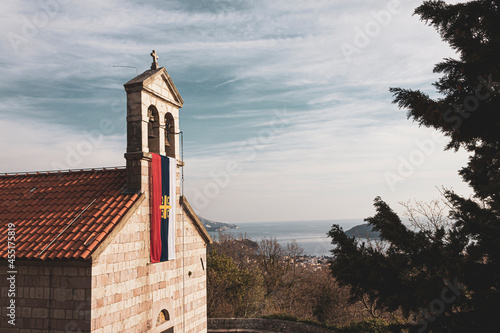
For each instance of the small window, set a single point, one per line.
(163, 316)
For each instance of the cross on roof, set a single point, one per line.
(154, 64)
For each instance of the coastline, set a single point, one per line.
(311, 235)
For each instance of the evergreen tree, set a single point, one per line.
(448, 279)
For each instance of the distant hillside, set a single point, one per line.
(363, 231)
(213, 226)
(237, 243)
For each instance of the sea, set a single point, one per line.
(311, 235)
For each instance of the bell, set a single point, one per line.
(151, 134)
(167, 139)
(168, 126)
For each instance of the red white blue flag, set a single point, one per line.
(162, 189)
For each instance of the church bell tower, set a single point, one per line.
(153, 104)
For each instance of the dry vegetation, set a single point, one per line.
(249, 279)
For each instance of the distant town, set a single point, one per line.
(313, 262)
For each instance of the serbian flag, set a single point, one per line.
(162, 189)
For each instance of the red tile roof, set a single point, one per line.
(61, 215)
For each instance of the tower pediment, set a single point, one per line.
(158, 83)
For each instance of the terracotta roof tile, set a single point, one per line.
(62, 214)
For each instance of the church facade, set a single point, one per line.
(82, 239)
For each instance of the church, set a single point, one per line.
(108, 250)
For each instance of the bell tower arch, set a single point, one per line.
(171, 132)
(153, 104)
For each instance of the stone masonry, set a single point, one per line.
(128, 292)
(50, 296)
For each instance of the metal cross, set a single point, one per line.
(154, 65)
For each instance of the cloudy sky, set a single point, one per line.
(287, 113)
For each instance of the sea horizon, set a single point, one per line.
(310, 234)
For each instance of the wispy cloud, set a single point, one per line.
(235, 63)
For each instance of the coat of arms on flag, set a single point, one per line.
(162, 198)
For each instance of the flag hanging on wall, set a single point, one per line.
(162, 189)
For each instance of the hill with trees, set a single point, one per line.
(363, 231)
(213, 226)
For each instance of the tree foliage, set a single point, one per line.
(445, 276)
(235, 288)
(249, 279)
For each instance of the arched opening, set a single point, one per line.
(153, 130)
(163, 316)
(169, 135)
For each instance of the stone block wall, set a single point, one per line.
(120, 298)
(129, 292)
(51, 296)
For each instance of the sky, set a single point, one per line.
(287, 112)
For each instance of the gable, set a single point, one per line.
(161, 85)
(158, 83)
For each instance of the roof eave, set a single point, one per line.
(103, 243)
(196, 221)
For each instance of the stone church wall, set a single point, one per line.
(51, 296)
(129, 292)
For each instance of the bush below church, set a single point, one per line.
(248, 279)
